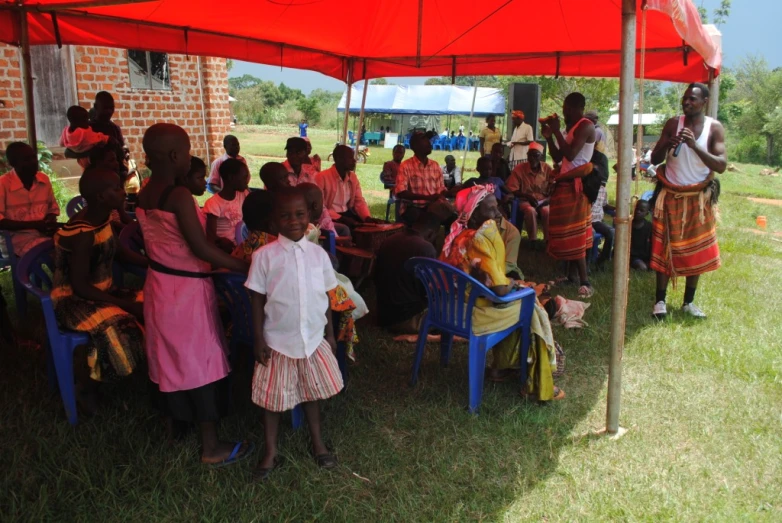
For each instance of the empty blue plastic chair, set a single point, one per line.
(76, 204)
(461, 142)
(241, 233)
(20, 293)
(406, 141)
(34, 271)
(453, 143)
(351, 138)
(446, 288)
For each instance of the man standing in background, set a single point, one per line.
(520, 139)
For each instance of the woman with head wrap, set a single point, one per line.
(475, 246)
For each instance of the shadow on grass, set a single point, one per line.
(406, 453)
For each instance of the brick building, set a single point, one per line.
(147, 88)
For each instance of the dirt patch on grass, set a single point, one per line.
(766, 201)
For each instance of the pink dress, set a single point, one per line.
(186, 348)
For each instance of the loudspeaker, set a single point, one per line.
(524, 97)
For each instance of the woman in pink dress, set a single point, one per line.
(186, 349)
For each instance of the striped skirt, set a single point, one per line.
(569, 223)
(684, 239)
(285, 382)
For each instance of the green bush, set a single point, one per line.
(749, 149)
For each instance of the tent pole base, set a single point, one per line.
(621, 431)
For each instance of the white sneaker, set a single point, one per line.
(660, 310)
(693, 310)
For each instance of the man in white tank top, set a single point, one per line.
(684, 239)
(570, 213)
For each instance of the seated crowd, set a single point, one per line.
(301, 305)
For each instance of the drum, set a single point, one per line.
(371, 236)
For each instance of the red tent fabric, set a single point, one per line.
(387, 37)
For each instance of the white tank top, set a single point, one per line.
(584, 156)
(688, 168)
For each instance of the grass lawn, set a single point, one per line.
(701, 399)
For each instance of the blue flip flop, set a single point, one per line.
(234, 457)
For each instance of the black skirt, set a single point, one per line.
(210, 402)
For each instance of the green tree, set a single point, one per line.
(245, 81)
(379, 81)
(310, 109)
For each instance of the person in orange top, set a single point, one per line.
(342, 191)
(531, 182)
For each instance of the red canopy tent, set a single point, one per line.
(353, 40)
(383, 38)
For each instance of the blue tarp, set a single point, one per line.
(424, 99)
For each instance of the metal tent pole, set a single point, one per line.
(469, 126)
(27, 80)
(361, 116)
(347, 103)
(622, 220)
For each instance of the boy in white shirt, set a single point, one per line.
(224, 209)
(294, 337)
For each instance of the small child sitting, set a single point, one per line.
(485, 172)
(224, 209)
(274, 176)
(641, 237)
(295, 360)
(195, 180)
(78, 136)
(256, 213)
(319, 216)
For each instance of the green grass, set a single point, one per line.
(701, 399)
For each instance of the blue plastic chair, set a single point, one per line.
(406, 141)
(241, 233)
(351, 138)
(647, 195)
(230, 288)
(461, 142)
(20, 294)
(514, 213)
(454, 143)
(446, 287)
(391, 200)
(76, 204)
(329, 239)
(34, 271)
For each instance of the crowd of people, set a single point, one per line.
(301, 305)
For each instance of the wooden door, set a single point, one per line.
(54, 90)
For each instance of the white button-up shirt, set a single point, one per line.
(295, 277)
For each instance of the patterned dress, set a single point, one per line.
(117, 338)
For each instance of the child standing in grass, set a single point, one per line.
(294, 338)
(224, 209)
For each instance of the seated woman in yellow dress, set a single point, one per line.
(475, 246)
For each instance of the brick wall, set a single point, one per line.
(11, 97)
(106, 69)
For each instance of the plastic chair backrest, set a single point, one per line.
(454, 143)
(132, 238)
(76, 204)
(331, 241)
(446, 287)
(230, 286)
(241, 233)
(35, 271)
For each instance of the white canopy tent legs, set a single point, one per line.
(622, 220)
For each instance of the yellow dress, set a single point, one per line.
(481, 254)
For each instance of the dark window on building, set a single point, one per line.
(149, 70)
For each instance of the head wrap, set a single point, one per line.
(535, 146)
(467, 200)
(517, 114)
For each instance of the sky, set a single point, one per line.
(750, 29)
